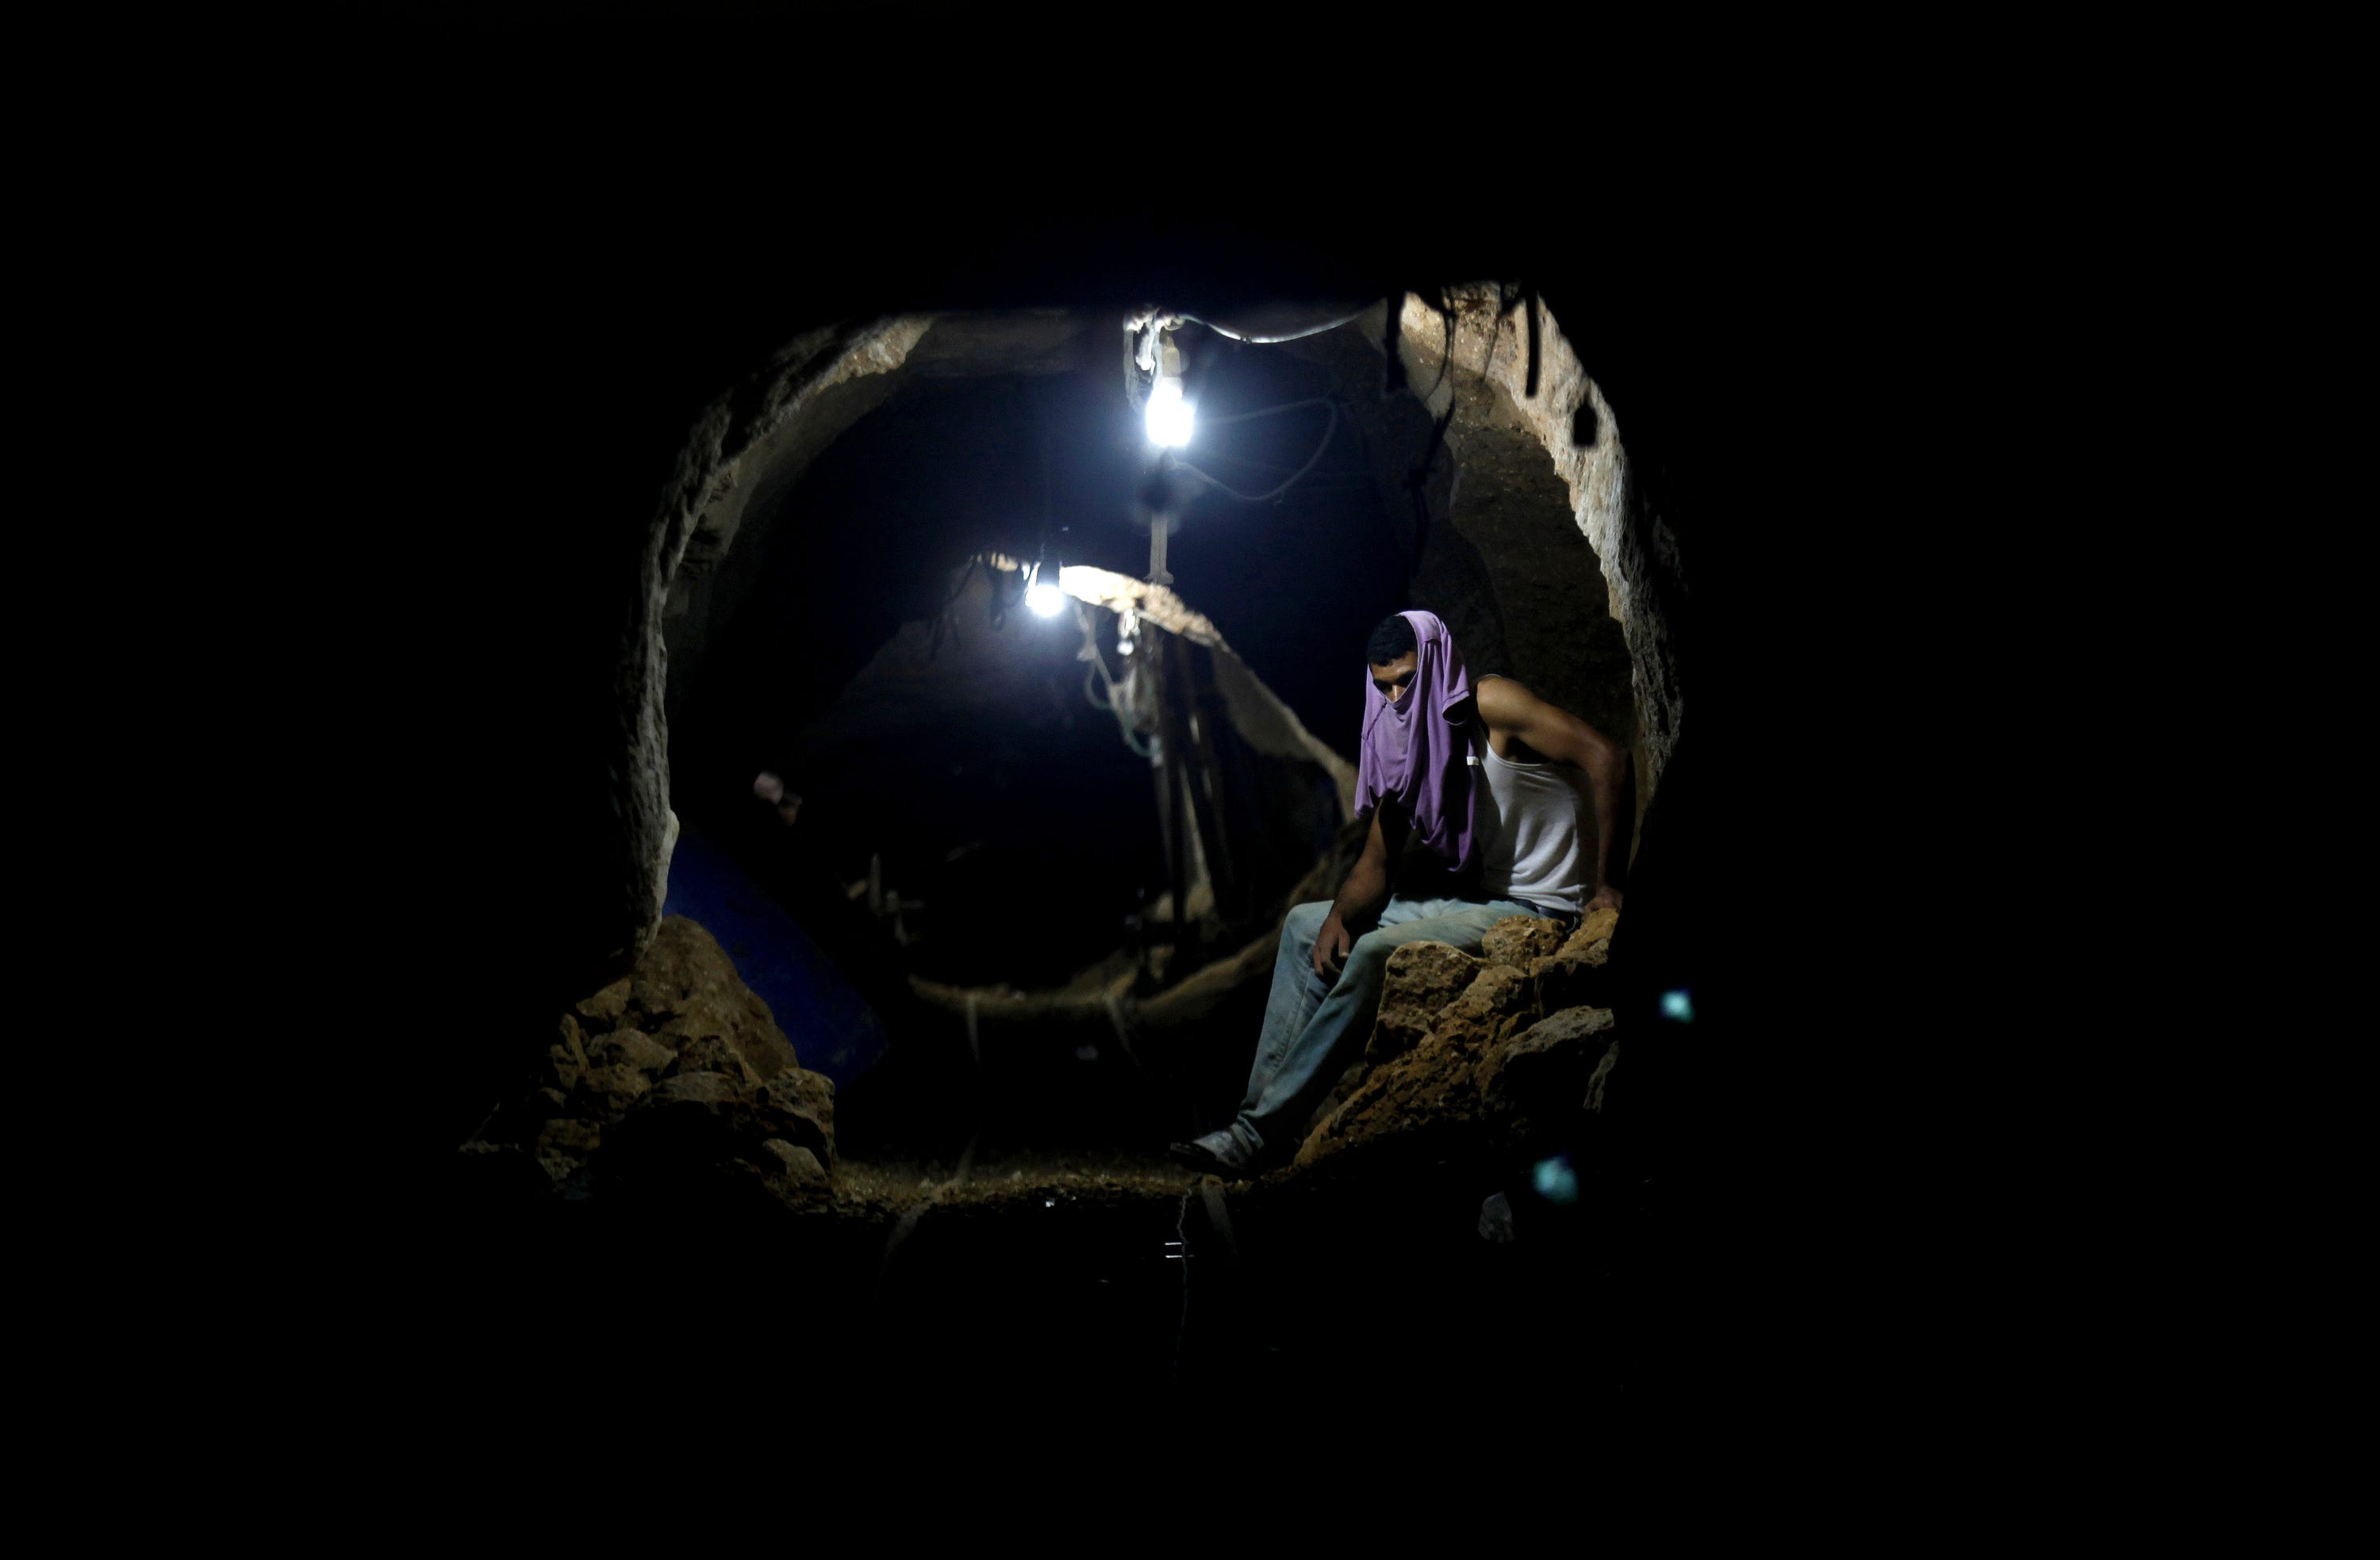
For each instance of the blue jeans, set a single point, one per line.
(1313, 1026)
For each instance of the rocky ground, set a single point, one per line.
(1024, 1182)
(674, 1168)
(678, 1080)
(1494, 1051)
(675, 1078)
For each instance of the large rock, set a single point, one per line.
(799, 1105)
(1420, 980)
(1427, 1090)
(1542, 1072)
(568, 1137)
(706, 1110)
(1493, 1005)
(1596, 927)
(1441, 1011)
(694, 1120)
(711, 1053)
(800, 1166)
(666, 1076)
(608, 1090)
(1578, 972)
(1521, 940)
(604, 1010)
(565, 1059)
(1424, 1092)
(685, 1125)
(685, 988)
(633, 1049)
(1472, 1081)
(788, 1173)
(1350, 1079)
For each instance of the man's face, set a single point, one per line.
(1396, 676)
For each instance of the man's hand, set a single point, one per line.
(1366, 891)
(1606, 898)
(1332, 947)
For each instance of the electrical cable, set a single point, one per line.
(1259, 498)
(1142, 328)
(1263, 465)
(1274, 340)
(1097, 675)
(1205, 421)
(942, 618)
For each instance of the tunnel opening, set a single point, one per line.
(1060, 957)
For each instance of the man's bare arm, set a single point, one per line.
(1562, 737)
(1364, 893)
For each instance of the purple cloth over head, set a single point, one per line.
(1416, 751)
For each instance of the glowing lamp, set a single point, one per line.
(1168, 415)
(1044, 596)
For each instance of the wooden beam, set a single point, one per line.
(1181, 693)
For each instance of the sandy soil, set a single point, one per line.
(866, 1188)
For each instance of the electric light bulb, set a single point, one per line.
(1168, 415)
(1044, 597)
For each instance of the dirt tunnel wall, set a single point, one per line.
(1504, 469)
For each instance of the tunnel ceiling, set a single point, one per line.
(951, 732)
(1486, 547)
(1489, 500)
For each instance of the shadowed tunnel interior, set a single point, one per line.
(957, 797)
(995, 732)
(1001, 753)
(956, 744)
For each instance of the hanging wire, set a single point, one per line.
(944, 619)
(1238, 333)
(1417, 481)
(1205, 421)
(1097, 677)
(1313, 484)
(1329, 432)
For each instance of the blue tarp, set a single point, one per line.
(833, 1028)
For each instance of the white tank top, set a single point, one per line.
(1533, 830)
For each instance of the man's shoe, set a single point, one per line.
(1217, 1154)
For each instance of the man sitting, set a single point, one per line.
(1491, 780)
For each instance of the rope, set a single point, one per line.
(1119, 1022)
(1099, 675)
